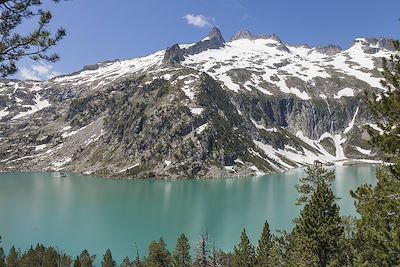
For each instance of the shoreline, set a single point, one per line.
(341, 163)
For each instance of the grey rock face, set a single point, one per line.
(242, 35)
(176, 117)
(214, 40)
(173, 55)
(373, 44)
(329, 49)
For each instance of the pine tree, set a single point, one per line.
(244, 254)
(77, 263)
(108, 260)
(202, 251)
(64, 260)
(264, 247)
(85, 259)
(182, 252)
(319, 230)
(386, 109)
(137, 261)
(216, 258)
(158, 256)
(314, 175)
(126, 263)
(2, 256)
(12, 259)
(377, 240)
(35, 45)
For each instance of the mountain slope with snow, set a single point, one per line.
(211, 109)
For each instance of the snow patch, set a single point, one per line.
(344, 92)
(40, 147)
(201, 128)
(258, 172)
(130, 167)
(362, 150)
(3, 113)
(60, 163)
(196, 111)
(351, 124)
(238, 161)
(39, 105)
(376, 128)
(229, 168)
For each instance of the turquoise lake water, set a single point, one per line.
(82, 212)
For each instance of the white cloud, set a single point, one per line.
(39, 71)
(197, 20)
(27, 74)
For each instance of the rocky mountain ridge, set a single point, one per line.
(249, 106)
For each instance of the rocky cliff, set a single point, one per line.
(249, 106)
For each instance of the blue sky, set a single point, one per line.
(101, 30)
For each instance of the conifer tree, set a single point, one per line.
(386, 108)
(314, 175)
(377, 239)
(86, 260)
(202, 251)
(319, 230)
(126, 263)
(35, 45)
(182, 252)
(137, 262)
(77, 262)
(244, 254)
(108, 259)
(216, 258)
(12, 259)
(264, 247)
(158, 256)
(2, 256)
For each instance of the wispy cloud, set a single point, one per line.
(39, 71)
(200, 21)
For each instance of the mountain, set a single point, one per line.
(248, 106)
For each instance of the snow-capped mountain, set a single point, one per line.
(248, 106)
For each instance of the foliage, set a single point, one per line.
(35, 45)
(2, 256)
(319, 228)
(386, 108)
(86, 260)
(315, 175)
(158, 256)
(202, 251)
(12, 258)
(181, 255)
(244, 254)
(264, 248)
(377, 238)
(108, 260)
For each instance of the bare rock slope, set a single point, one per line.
(249, 106)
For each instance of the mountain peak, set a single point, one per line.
(243, 34)
(215, 33)
(373, 44)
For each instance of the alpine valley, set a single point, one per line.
(216, 108)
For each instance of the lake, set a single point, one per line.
(77, 212)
